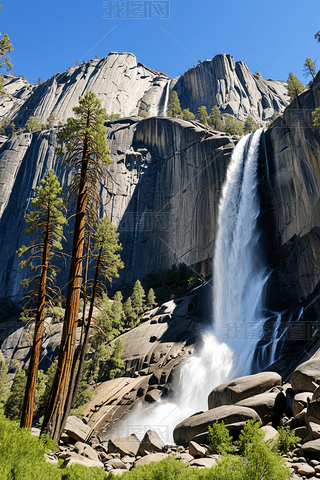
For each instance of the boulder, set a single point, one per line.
(196, 450)
(243, 387)
(76, 429)
(86, 451)
(199, 423)
(305, 374)
(301, 432)
(310, 449)
(203, 462)
(152, 457)
(269, 431)
(116, 463)
(153, 395)
(124, 446)
(312, 420)
(300, 401)
(263, 404)
(79, 459)
(151, 443)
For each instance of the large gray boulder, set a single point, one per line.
(124, 446)
(76, 429)
(304, 376)
(310, 449)
(192, 426)
(264, 404)
(243, 387)
(151, 443)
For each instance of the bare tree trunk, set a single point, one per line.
(28, 403)
(76, 374)
(56, 404)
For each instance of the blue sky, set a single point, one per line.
(272, 37)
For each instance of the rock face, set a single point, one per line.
(164, 199)
(230, 85)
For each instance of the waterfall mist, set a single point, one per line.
(228, 344)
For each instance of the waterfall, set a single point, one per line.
(239, 275)
(162, 110)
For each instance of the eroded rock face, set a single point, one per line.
(230, 85)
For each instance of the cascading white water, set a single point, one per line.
(239, 277)
(162, 111)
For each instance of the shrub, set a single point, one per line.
(220, 440)
(249, 434)
(285, 440)
(22, 454)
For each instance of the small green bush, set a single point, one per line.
(285, 440)
(249, 434)
(219, 438)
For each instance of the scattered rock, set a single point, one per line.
(116, 463)
(86, 451)
(203, 462)
(196, 450)
(124, 446)
(79, 459)
(300, 402)
(269, 431)
(152, 457)
(304, 376)
(151, 443)
(311, 449)
(76, 429)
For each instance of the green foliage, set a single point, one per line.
(13, 131)
(294, 86)
(285, 440)
(168, 469)
(22, 454)
(317, 36)
(129, 314)
(58, 314)
(174, 108)
(32, 124)
(316, 117)
(203, 114)
(215, 119)
(143, 115)
(5, 62)
(172, 283)
(115, 116)
(309, 68)
(151, 299)
(106, 243)
(114, 364)
(187, 115)
(249, 434)
(4, 387)
(250, 126)
(232, 127)
(77, 472)
(5, 121)
(50, 121)
(43, 394)
(14, 403)
(219, 438)
(46, 222)
(137, 298)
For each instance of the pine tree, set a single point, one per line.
(46, 222)
(232, 127)
(309, 68)
(4, 388)
(151, 299)
(50, 121)
(316, 117)
(294, 86)
(130, 316)
(215, 118)
(5, 62)
(84, 148)
(250, 126)
(32, 124)
(174, 108)
(187, 115)
(203, 114)
(13, 130)
(14, 403)
(317, 36)
(137, 298)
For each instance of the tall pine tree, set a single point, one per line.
(46, 223)
(84, 149)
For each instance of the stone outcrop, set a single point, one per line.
(199, 423)
(230, 85)
(240, 388)
(305, 376)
